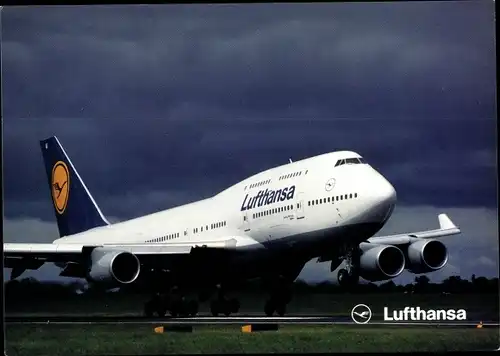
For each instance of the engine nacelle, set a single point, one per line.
(426, 256)
(111, 267)
(381, 262)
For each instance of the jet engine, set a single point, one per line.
(381, 262)
(426, 256)
(112, 267)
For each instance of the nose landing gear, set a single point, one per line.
(349, 276)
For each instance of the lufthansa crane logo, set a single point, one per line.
(330, 183)
(361, 314)
(60, 186)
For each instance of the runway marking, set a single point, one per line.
(46, 320)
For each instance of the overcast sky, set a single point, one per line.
(162, 105)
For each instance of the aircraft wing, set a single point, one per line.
(23, 256)
(446, 228)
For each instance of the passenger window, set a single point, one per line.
(337, 198)
(309, 203)
(341, 197)
(328, 199)
(316, 201)
(345, 196)
(355, 195)
(350, 196)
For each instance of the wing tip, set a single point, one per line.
(445, 222)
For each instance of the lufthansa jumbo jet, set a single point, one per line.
(266, 227)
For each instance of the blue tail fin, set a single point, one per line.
(76, 210)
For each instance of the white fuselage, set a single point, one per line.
(310, 204)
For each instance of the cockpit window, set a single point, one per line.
(350, 161)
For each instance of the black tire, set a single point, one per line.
(148, 309)
(161, 312)
(269, 308)
(192, 308)
(281, 309)
(343, 277)
(234, 305)
(214, 308)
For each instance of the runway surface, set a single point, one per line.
(231, 320)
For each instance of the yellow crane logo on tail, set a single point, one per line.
(60, 186)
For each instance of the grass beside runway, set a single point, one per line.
(130, 339)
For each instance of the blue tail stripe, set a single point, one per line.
(75, 208)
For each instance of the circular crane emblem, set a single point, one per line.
(330, 183)
(60, 186)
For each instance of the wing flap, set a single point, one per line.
(21, 254)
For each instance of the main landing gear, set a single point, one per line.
(281, 295)
(224, 306)
(175, 303)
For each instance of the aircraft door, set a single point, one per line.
(246, 223)
(300, 206)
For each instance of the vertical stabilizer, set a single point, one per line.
(75, 208)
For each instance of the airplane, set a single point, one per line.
(265, 227)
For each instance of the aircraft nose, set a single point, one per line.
(387, 197)
(386, 192)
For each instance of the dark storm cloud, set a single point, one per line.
(339, 60)
(162, 105)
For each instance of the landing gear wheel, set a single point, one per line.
(234, 305)
(269, 308)
(214, 308)
(148, 309)
(176, 308)
(281, 309)
(161, 311)
(347, 279)
(192, 308)
(343, 277)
